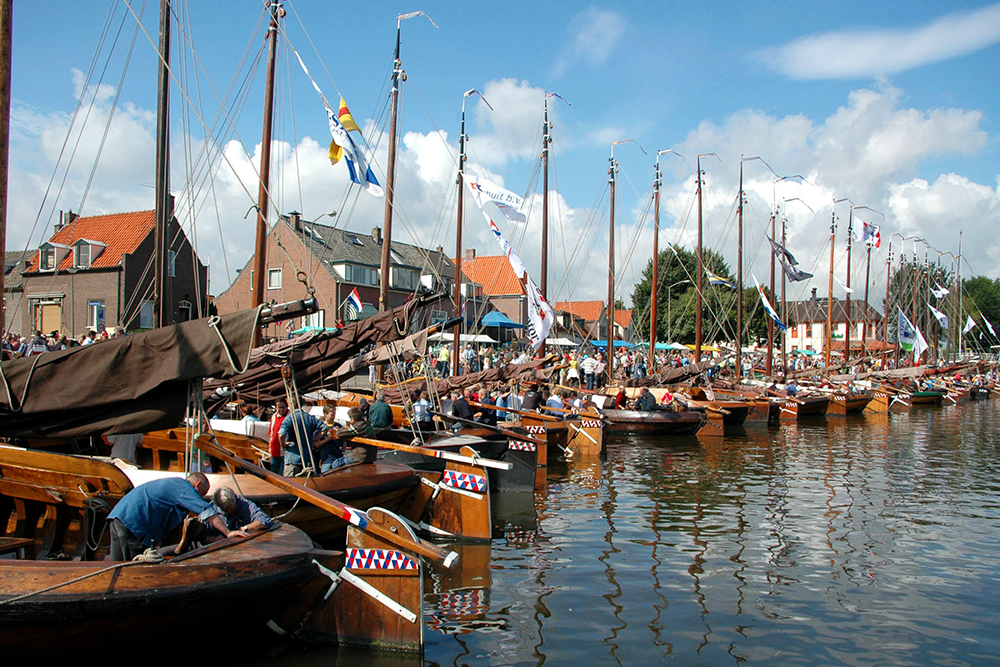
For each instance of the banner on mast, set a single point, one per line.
(508, 206)
(788, 263)
(941, 317)
(940, 291)
(910, 337)
(767, 304)
(869, 233)
(969, 324)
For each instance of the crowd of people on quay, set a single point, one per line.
(15, 345)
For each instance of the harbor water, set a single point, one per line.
(866, 540)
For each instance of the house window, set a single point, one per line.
(146, 315)
(171, 264)
(82, 256)
(317, 319)
(95, 315)
(404, 279)
(47, 259)
(184, 311)
(274, 279)
(360, 274)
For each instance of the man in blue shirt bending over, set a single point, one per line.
(150, 511)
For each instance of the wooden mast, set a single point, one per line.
(390, 185)
(6, 33)
(829, 298)
(263, 193)
(784, 301)
(456, 345)
(546, 140)
(885, 316)
(769, 363)
(654, 284)
(864, 313)
(847, 296)
(162, 204)
(701, 270)
(739, 278)
(611, 271)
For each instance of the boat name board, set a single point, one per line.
(521, 446)
(590, 423)
(537, 429)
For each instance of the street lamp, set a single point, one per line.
(670, 322)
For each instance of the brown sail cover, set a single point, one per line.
(313, 356)
(527, 371)
(124, 385)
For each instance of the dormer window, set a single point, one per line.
(85, 252)
(50, 254)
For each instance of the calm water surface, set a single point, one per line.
(858, 541)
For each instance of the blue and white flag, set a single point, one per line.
(910, 337)
(357, 164)
(767, 304)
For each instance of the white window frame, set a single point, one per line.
(78, 259)
(96, 314)
(47, 258)
(146, 315)
(271, 282)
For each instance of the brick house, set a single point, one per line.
(335, 262)
(584, 319)
(623, 324)
(13, 288)
(97, 271)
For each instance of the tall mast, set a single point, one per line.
(739, 279)
(864, 313)
(829, 298)
(784, 302)
(916, 280)
(769, 363)
(456, 345)
(611, 270)
(701, 270)
(6, 21)
(847, 298)
(885, 316)
(162, 204)
(654, 285)
(546, 140)
(390, 187)
(260, 248)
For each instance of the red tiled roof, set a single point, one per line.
(120, 232)
(493, 272)
(588, 311)
(623, 318)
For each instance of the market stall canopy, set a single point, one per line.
(561, 342)
(603, 343)
(481, 339)
(498, 319)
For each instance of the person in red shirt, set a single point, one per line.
(274, 446)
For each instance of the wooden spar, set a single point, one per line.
(6, 21)
(436, 453)
(784, 301)
(739, 279)
(829, 297)
(525, 413)
(263, 192)
(701, 270)
(456, 345)
(610, 351)
(546, 140)
(885, 315)
(656, 261)
(502, 431)
(348, 513)
(864, 316)
(776, 394)
(705, 404)
(769, 363)
(847, 295)
(162, 204)
(390, 182)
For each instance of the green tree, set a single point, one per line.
(980, 298)
(677, 296)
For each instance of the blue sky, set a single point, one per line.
(893, 105)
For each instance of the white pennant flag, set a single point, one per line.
(969, 324)
(990, 327)
(844, 287)
(941, 317)
(508, 205)
(940, 291)
(919, 346)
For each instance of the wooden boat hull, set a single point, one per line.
(234, 591)
(841, 404)
(927, 397)
(807, 406)
(657, 422)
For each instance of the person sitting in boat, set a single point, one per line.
(555, 401)
(645, 401)
(421, 412)
(621, 400)
(380, 414)
(667, 402)
(460, 407)
(357, 427)
(238, 513)
(791, 389)
(485, 415)
(532, 399)
(146, 514)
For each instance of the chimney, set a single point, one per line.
(814, 294)
(439, 250)
(470, 254)
(56, 228)
(295, 218)
(377, 234)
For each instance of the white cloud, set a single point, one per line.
(591, 38)
(865, 53)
